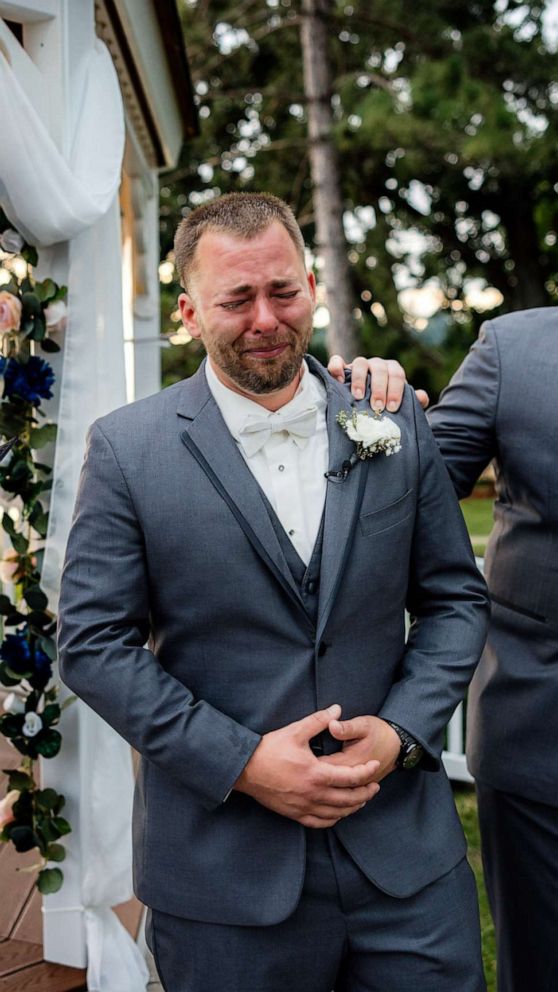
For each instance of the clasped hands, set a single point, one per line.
(286, 776)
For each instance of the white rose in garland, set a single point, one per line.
(13, 704)
(32, 724)
(372, 434)
(55, 315)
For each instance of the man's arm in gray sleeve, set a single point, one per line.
(448, 604)
(103, 627)
(463, 422)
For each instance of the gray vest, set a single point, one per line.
(307, 578)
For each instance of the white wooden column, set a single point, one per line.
(58, 36)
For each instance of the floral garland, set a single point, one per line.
(29, 312)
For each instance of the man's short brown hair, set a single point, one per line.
(241, 214)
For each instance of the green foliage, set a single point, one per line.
(27, 647)
(39, 436)
(446, 126)
(467, 809)
(49, 880)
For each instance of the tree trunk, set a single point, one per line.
(328, 207)
(527, 283)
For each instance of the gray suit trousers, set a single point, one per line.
(520, 856)
(345, 935)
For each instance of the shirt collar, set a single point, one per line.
(235, 408)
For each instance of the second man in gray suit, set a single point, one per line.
(500, 407)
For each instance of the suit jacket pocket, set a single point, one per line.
(388, 516)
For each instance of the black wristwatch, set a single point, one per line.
(411, 751)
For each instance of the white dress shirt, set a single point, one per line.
(290, 470)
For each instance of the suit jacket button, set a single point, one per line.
(322, 649)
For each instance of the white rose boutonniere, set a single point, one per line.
(372, 435)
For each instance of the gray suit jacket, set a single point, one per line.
(172, 545)
(501, 405)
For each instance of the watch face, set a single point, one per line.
(413, 756)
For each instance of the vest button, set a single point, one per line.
(322, 649)
(311, 587)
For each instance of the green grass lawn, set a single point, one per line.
(478, 517)
(467, 808)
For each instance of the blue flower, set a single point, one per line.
(34, 665)
(30, 381)
(43, 670)
(15, 651)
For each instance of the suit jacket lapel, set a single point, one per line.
(210, 442)
(343, 499)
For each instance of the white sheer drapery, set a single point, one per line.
(51, 200)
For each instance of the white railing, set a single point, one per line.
(454, 755)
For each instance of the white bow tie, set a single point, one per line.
(299, 425)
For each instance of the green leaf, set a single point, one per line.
(11, 724)
(40, 522)
(48, 831)
(48, 742)
(38, 619)
(43, 842)
(49, 880)
(18, 780)
(48, 344)
(8, 524)
(25, 746)
(12, 420)
(6, 678)
(35, 598)
(23, 808)
(55, 852)
(62, 825)
(29, 253)
(11, 287)
(42, 435)
(23, 838)
(19, 543)
(45, 290)
(6, 605)
(14, 619)
(33, 323)
(51, 713)
(46, 798)
(49, 647)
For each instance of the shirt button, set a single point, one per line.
(281, 468)
(291, 533)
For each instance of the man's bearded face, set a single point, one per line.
(251, 303)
